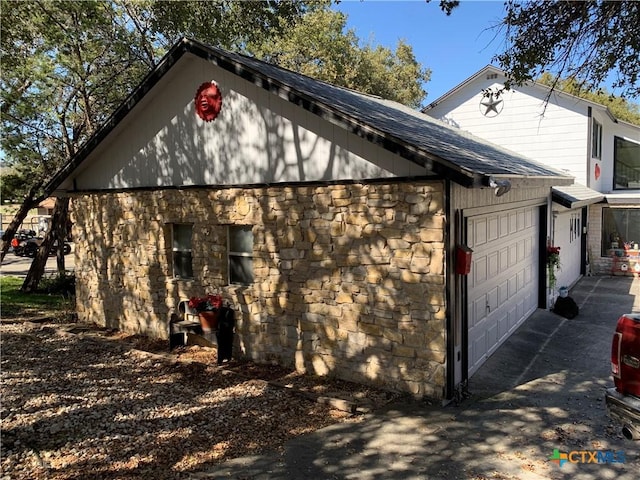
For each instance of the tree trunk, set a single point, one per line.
(60, 213)
(30, 202)
(62, 230)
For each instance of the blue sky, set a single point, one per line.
(453, 47)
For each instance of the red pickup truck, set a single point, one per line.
(623, 401)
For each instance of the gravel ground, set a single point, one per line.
(80, 402)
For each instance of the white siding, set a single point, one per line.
(567, 231)
(258, 137)
(610, 130)
(555, 134)
(469, 198)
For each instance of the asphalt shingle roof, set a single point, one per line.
(406, 125)
(445, 150)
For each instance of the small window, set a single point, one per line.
(241, 254)
(182, 241)
(596, 140)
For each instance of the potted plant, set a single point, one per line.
(553, 263)
(208, 308)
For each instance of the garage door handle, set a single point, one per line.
(488, 307)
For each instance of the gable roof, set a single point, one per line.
(490, 69)
(456, 155)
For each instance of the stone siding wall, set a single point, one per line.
(599, 265)
(349, 279)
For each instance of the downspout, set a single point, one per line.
(589, 144)
(585, 257)
(449, 284)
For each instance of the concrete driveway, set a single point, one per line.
(538, 398)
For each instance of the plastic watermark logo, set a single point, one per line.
(586, 456)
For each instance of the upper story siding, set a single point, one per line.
(555, 133)
(610, 130)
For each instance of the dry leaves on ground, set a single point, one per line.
(90, 403)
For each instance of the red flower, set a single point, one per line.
(207, 303)
(553, 250)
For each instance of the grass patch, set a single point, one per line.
(14, 303)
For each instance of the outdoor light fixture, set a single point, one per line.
(501, 186)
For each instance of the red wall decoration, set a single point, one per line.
(597, 171)
(208, 101)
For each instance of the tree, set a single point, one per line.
(320, 46)
(621, 108)
(230, 25)
(589, 42)
(67, 65)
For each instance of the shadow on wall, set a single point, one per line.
(349, 278)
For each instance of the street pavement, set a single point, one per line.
(540, 397)
(19, 266)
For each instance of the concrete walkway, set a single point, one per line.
(543, 390)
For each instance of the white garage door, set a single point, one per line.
(502, 287)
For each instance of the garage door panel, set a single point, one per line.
(479, 232)
(504, 293)
(504, 258)
(504, 225)
(503, 325)
(521, 250)
(513, 254)
(493, 265)
(513, 223)
(502, 287)
(479, 310)
(513, 286)
(492, 336)
(492, 229)
(492, 300)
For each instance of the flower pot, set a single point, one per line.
(208, 320)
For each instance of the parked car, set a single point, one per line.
(623, 400)
(19, 241)
(29, 247)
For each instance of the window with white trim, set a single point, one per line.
(596, 139)
(240, 254)
(182, 235)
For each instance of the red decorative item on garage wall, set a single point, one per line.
(597, 171)
(208, 101)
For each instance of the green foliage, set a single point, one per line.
(60, 284)
(15, 303)
(230, 25)
(447, 6)
(319, 46)
(67, 65)
(11, 187)
(587, 41)
(619, 107)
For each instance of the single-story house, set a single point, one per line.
(339, 225)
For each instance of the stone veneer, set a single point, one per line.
(349, 278)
